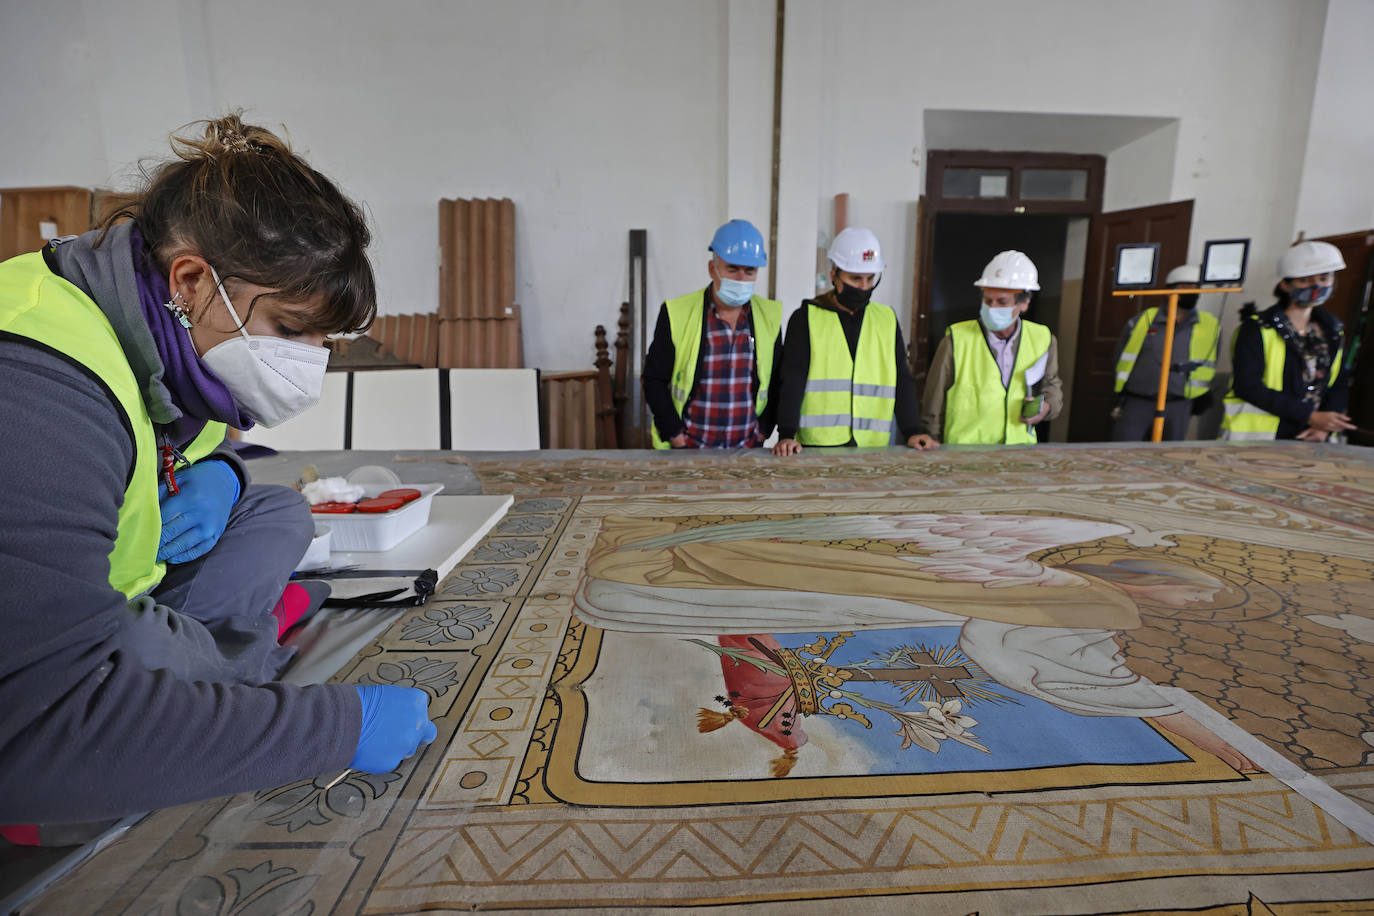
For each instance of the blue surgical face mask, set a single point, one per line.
(734, 293)
(997, 319)
(1309, 295)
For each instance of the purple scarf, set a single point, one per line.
(196, 390)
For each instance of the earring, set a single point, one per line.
(173, 305)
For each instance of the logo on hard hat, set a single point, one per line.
(870, 254)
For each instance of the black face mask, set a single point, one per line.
(1187, 300)
(852, 297)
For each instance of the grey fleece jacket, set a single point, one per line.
(87, 731)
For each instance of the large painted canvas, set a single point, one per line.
(941, 684)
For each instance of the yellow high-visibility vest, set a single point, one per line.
(850, 396)
(978, 409)
(1202, 352)
(38, 305)
(1243, 420)
(684, 321)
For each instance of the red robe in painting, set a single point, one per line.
(758, 691)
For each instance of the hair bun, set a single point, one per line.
(239, 197)
(236, 142)
(230, 135)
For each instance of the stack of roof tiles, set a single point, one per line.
(479, 322)
(477, 325)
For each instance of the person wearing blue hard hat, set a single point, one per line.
(709, 376)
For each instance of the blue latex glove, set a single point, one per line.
(193, 519)
(395, 723)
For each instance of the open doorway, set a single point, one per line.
(965, 242)
(978, 203)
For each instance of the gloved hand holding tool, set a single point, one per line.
(395, 723)
(194, 518)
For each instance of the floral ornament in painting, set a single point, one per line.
(426, 673)
(546, 504)
(258, 891)
(447, 624)
(486, 580)
(939, 722)
(526, 524)
(321, 800)
(505, 550)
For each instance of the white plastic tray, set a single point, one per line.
(368, 531)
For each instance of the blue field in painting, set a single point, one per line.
(1020, 732)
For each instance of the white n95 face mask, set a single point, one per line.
(271, 378)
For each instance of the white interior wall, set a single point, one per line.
(1337, 189)
(798, 178)
(747, 102)
(599, 116)
(595, 117)
(40, 147)
(1236, 73)
(1141, 173)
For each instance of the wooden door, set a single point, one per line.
(1104, 315)
(918, 331)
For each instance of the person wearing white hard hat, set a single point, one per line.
(845, 378)
(995, 376)
(1286, 362)
(1193, 358)
(709, 376)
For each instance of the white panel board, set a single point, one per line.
(396, 409)
(495, 409)
(320, 427)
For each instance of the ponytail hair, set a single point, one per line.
(237, 196)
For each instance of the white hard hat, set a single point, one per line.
(1185, 273)
(1010, 270)
(1307, 259)
(856, 250)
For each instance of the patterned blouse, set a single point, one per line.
(1316, 354)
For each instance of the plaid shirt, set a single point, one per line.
(721, 411)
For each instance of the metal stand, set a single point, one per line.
(1166, 358)
(639, 302)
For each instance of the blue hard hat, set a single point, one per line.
(738, 242)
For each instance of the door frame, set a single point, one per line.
(938, 161)
(933, 202)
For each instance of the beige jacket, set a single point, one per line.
(941, 377)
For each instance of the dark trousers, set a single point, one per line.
(210, 619)
(1138, 416)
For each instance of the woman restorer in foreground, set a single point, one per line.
(143, 580)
